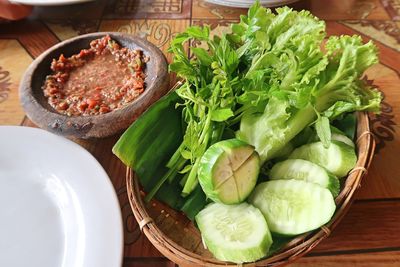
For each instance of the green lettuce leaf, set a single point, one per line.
(300, 84)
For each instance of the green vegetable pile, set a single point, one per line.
(274, 82)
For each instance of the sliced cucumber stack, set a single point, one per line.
(293, 207)
(300, 169)
(236, 233)
(228, 171)
(338, 159)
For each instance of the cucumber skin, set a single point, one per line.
(236, 256)
(342, 138)
(207, 163)
(247, 255)
(333, 183)
(257, 200)
(204, 174)
(309, 136)
(348, 156)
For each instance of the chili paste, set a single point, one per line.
(98, 80)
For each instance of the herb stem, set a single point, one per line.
(171, 172)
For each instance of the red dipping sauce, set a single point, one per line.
(98, 80)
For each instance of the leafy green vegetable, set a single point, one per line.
(209, 98)
(268, 79)
(269, 74)
(149, 142)
(323, 129)
(305, 84)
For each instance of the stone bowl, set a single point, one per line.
(97, 126)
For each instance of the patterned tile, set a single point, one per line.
(215, 24)
(159, 32)
(393, 8)
(160, 9)
(65, 29)
(204, 10)
(327, 9)
(343, 10)
(13, 62)
(385, 126)
(388, 56)
(386, 32)
(387, 81)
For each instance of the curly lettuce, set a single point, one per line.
(307, 82)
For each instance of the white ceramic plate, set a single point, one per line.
(58, 207)
(49, 2)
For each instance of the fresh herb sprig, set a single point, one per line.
(209, 99)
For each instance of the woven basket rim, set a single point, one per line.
(293, 250)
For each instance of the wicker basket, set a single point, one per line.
(178, 239)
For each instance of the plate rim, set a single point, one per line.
(116, 227)
(49, 3)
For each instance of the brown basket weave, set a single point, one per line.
(178, 239)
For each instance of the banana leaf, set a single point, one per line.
(149, 143)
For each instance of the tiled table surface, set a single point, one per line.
(370, 233)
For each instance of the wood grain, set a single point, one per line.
(378, 183)
(65, 29)
(32, 34)
(13, 62)
(148, 262)
(383, 259)
(368, 236)
(368, 224)
(88, 10)
(348, 10)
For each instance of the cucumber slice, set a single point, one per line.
(338, 135)
(236, 233)
(339, 158)
(307, 171)
(228, 171)
(342, 138)
(293, 207)
(309, 136)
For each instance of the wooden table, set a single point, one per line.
(370, 233)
